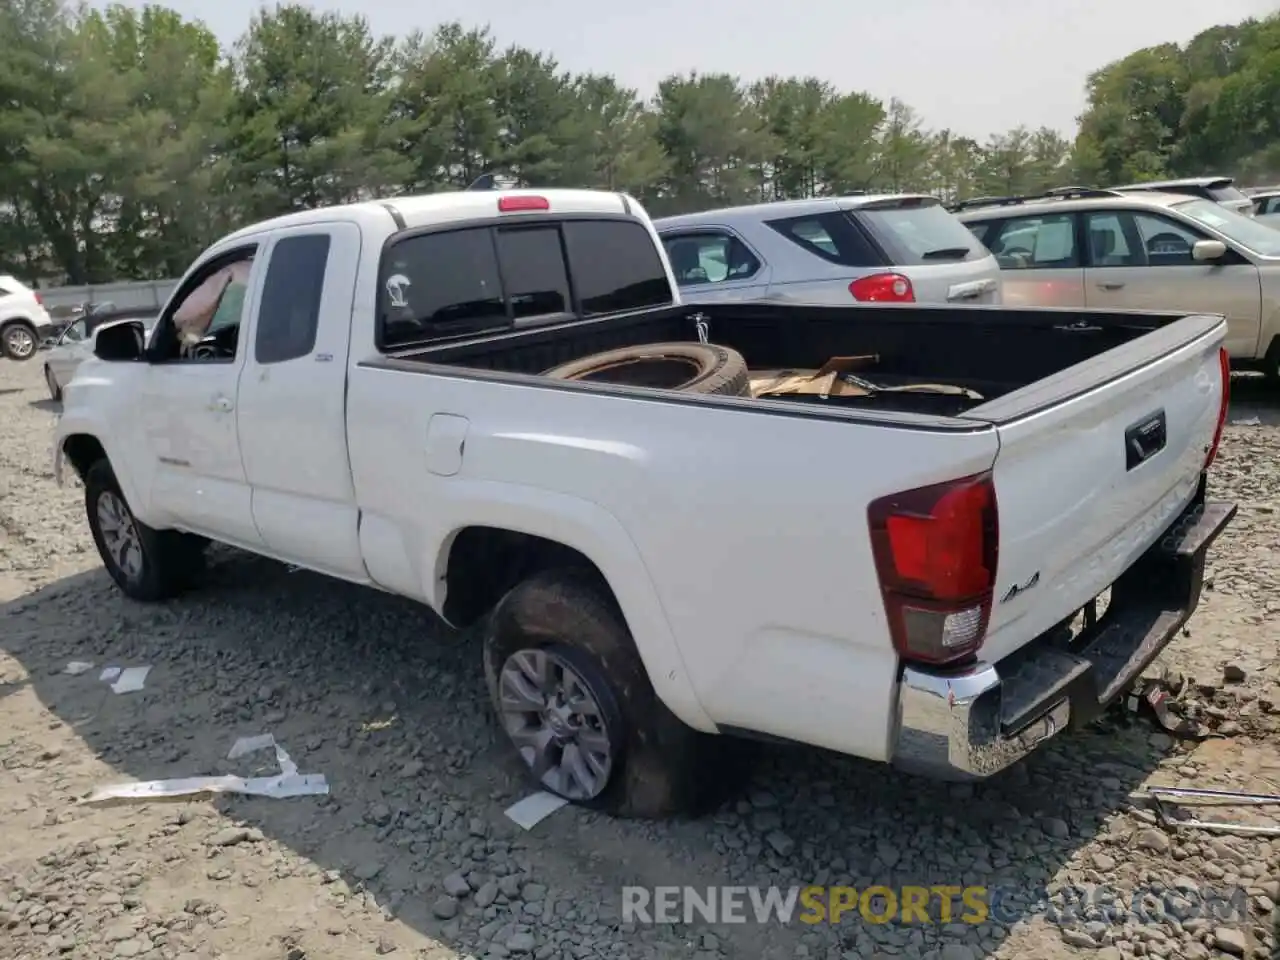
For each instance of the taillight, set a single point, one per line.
(883, 288)
(1224, 366)
(935, 550)
(39, 299)
(514, 204)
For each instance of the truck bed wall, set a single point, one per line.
(992, 350)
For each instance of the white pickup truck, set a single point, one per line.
(663, 559)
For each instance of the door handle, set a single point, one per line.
(221, 404)
(1111, 285)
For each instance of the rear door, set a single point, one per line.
(1142, 261)
(292, 401)
(1039, 259)
(1078, 502)
(714, 263)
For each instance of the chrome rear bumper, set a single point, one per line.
(970, 723)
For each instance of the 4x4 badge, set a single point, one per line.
(1019, 588)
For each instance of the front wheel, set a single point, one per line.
(572, 695)
(146, 564)
(18, 341)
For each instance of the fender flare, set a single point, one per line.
(596, 534)
(88, 427)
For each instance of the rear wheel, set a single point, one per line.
(18, 340)
(146, 564)
(572, 695)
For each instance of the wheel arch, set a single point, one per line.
(517, 532)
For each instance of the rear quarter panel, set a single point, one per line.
(751, 527)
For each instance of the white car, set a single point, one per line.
(496, 404)
(24, 322)
(76, 343)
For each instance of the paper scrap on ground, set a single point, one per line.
(109, 674)
(288, 783)
(1248, 422)
(77, 667)
(131, 680)
(535, 808)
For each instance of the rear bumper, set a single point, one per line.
(970, 723)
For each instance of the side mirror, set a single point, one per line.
(123, 341)
(1208, 250)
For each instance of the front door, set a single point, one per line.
(187, 406)
(1142, 261)
(711, 263)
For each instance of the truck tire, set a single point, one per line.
(572, 695)
(18, 340)
(146, 564)
(688, 367)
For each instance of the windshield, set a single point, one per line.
(1245, 231)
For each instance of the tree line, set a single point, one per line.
(130, 139)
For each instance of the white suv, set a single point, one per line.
(24, 322)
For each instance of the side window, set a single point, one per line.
(441, 285)
(1109, 244)
(75, 333)
(1036, 243)
(709, 258)
(831, 236)
(534, 276)
(615, 266)
(1167, 244)
(204, 326)
(289, 312)
(979, 230)
(1271, 205)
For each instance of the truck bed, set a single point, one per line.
(1016, 360)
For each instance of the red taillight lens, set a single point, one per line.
(1224, 365)
(514, 204)
(936, 550)
(39, 299)
(883, 288)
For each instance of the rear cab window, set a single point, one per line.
(916, 233)
(452, 283)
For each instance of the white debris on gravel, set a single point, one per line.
(412, 855)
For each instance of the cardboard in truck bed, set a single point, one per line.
(835, 379)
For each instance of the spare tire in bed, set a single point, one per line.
(687, 367)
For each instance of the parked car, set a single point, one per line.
(1266, 202)
(1221, 190)
(663, 558)
(870, 248)
(1141, 250)
(24, 322)
(75, 344)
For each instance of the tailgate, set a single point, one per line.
(1087, 479)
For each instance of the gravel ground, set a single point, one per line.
(411, 854)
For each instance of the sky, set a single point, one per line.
(976, 66)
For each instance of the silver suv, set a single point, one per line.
(1139, 250)
(881, 248)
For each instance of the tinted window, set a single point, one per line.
(1167, 244)
(615, 266)
(533, 271)
(1227, 194)
(979, 230)
(441, 284)
(290, 310)
(831, 236)
(76, 332)
(916, 234)
(1109, 244)
(1036, 243)
(709, 258)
